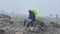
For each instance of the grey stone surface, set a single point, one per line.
(17, 26)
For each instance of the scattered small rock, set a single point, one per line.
(55, 25)
(2, 31)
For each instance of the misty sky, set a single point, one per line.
(44, 7)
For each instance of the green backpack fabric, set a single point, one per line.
(35, 13)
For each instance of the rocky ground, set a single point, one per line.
(17, 26)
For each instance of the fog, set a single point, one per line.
(43, 7)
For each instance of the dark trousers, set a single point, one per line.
(24, 23)
(31, 23)
(28, 24)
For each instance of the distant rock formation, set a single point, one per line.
(5, 17)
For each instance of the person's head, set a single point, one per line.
(30, 11)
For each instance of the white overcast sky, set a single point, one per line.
(44, 7)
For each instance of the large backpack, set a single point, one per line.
(35, 13)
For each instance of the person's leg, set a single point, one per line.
(24, 23)
(31, 23)
(27, 25)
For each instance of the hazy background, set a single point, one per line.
(18, 7)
